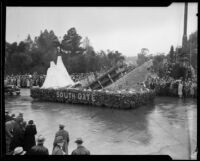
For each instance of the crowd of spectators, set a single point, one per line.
(20, 139)
(28, 80)
(25, 81)
(167, 86)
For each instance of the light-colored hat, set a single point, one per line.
(59, 139)
(40, 139)
(19, 151)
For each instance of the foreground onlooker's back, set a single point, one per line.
(80, 150)
(39, 149)
(65, 135)
(29, 136)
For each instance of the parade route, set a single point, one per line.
(168, 126)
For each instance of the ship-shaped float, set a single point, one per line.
(113, 89)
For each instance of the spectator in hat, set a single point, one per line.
(18, 134)
(20, 115)
(9, 126)
(62, 132)
(13, 116)
(80, 150)
(58, 148)
(29, 136)
(20, 118)
(39, 149)
(19, 151)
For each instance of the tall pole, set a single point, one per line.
(184, 40)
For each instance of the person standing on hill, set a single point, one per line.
(62, 132)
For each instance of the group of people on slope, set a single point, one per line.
(20, 139)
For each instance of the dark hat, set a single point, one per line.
(40, 139)
(13, 115)
(19, 119)
(59, 139)
(30, 122)
(79, 141)
(61, 126)
(20, 114)
(24, 122)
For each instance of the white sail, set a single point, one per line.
(57, 76)
(64, 78)
(50, 80)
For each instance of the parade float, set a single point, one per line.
(59, 87)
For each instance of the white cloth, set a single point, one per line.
(51, 79)
(64, 78)
(57, 76)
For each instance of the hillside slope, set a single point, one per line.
(131, 79)
(131, 60)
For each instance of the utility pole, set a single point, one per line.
(184, 40)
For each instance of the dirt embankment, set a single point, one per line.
(131, 79)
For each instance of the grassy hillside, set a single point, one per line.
(131, 79)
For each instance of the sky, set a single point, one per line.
(126, 29)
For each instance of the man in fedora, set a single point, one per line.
(59, 142)
(62, 132)
(21, 117)
(80, 150)
(19, 151)
(39, 149)
(18, 134)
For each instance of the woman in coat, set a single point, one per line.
(29, 136)
(180, 89)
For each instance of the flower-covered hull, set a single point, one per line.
(111, 99)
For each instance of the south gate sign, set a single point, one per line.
(76, 96)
